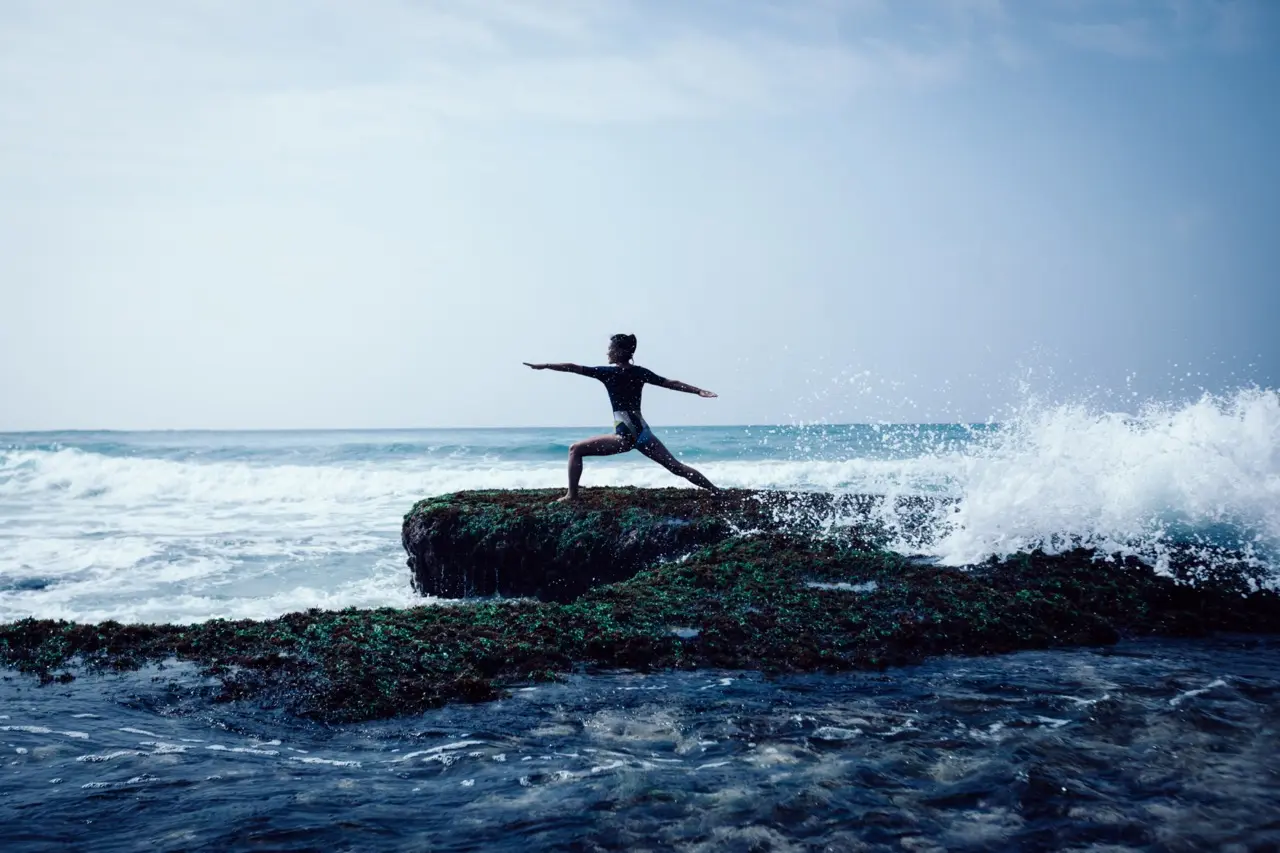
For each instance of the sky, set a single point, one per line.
(262, 214)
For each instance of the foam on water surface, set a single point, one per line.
(1069, 748)
(1209, 470)
(188, 526)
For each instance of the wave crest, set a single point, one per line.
(1057, 476)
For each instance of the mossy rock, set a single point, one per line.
(519, 544)
(766, 601)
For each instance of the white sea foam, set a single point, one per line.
(88, 536)
(844, 586)
(1062, 475)
(1191, 694)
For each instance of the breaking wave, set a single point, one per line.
(149, 526)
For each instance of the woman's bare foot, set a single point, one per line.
(565, 498)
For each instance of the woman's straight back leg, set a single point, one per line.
(657, 451)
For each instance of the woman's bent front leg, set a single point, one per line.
(600, 445)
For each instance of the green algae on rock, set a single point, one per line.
(524, 544)
(770, 602)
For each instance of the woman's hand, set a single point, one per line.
(707, 394)
(535, 366)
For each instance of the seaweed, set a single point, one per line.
(753, 598)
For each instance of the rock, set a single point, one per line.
(764, 601)
(518, 544)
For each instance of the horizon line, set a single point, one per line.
(479, 428)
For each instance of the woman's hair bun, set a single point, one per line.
(626, 343)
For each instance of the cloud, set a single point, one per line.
(146, 87)
(479, 58)
(1125, 39)
(1156, 29)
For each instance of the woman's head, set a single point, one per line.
(621, 348)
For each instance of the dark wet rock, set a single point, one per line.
(523, 544)
(1128, 594)
(769, 602)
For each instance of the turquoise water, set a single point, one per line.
(1149, 746)
(185, 526)
(190, 525)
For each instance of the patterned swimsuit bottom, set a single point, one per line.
(632, 429)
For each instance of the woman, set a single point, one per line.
(624, 381)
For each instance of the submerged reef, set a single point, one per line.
(747, 593)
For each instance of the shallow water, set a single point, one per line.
(1150, 745)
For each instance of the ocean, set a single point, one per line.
(1148, 745)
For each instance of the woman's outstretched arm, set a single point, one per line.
(564, 367)
(677, 385)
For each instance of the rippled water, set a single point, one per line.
(182, 527)
(1151, 745)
